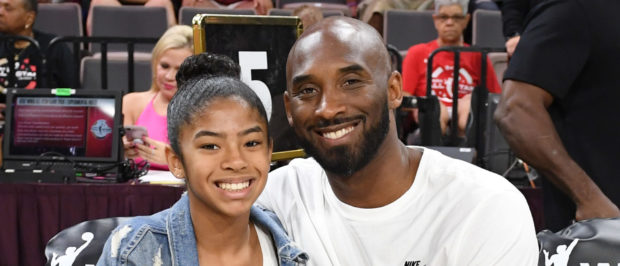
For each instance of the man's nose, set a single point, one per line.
(331, 103)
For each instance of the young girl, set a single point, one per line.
(220, 145)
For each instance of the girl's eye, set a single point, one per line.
(210, 147)
(164, 65)
(252, 143)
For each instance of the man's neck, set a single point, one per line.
(442, 43)
(23, 44)
(383, 180)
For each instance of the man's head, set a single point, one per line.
(17, 16)
(450, 20)
(340, 89)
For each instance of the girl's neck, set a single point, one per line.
(224, 240)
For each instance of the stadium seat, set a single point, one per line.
(289, 12)
(81, 244)
(323, 6)
(281, 3)
(62, 19)
(500, 63)
(487, 29)
(186, 14)
(117, 73)
(405, 28)
(128, 21)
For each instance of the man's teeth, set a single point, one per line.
(234, 186)
(337, 134)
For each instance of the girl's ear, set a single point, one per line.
(175, 164)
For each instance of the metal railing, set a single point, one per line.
(479, 100)
(103, 42)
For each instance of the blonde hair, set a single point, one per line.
(179, 36)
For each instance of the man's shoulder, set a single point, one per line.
(298, 175)
(445, 170)
(43, 39)
(298, 168)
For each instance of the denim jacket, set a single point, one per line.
(167, 238)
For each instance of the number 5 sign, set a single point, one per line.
(260, 44)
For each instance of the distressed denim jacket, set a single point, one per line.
(167, 238)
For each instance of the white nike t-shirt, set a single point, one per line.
(454, 214)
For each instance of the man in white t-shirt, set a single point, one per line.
(365, 198)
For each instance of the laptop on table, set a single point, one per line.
(62, 136)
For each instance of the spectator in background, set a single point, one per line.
(309, 15)
(514, 13)
(148, 108)
(371, 11)
(17, 19)
(167, 4)
(559, 108)
(450, 20)
(261, 7)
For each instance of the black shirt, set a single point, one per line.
(571, 48)
(514, 15)
(29, 64)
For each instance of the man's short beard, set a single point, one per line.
(346, 160)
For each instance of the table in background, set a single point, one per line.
(31, 214)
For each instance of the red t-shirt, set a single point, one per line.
(414, 72)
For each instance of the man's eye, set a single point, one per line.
(210, 147)
(350, 82)
(306, 91)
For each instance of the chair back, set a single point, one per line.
(81, 244)
(487, 29)
(128, 21)
(61, 19)
(405, 28)
(117, 73)
(500, 64)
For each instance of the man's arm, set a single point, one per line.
(525, 123)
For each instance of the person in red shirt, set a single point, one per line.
(450, 20)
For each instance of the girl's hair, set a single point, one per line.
(180, 36)
(199, 87)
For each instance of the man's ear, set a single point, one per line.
(467, 17)
(30, 16)
(395, 90)
(175, 164)
(287, 107)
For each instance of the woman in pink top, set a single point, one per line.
(149, 108)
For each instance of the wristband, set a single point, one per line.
(352, 4)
